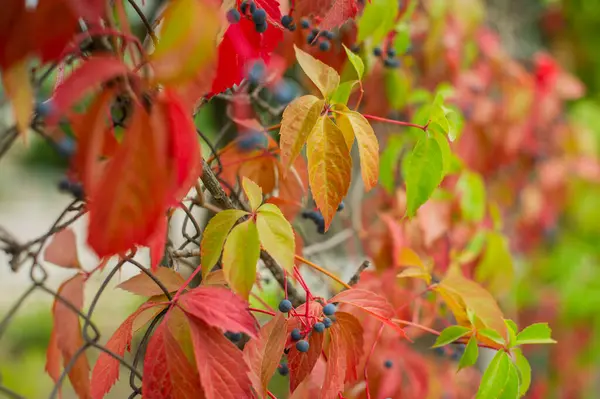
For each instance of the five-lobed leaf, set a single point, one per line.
(424, 172)
(276, 235)
(471, 354)
(214, 236)
(240, 256)
(322, 75)
(538, 333)
(450, 334)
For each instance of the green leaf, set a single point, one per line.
(388, 162)
(450, 334)
(323, 76)
(524, 371)
(419, 96)
(253, 192)
(471, 188)
(402, 39)
(442, 141)
(491, 334)
(495, 377)
(474, 248)
(342, 93)
(511, 388)
(214, 236)
(356, 62)
(495, 269)
(424, 170)
(240, 257)
(397, 87)
(512, 329)
(377, 20)
(538, 333)
(471, 354)
(276, 235)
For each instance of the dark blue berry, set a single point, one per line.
(341, 206)
(250, 141)
(391, 63)
(296, 335)
(283, 369)
(355, 48)
(319, 327)
(388, 364)
(244, 6)
(321, 226)
(455, 356)
(43, 108)
(77, 190)
(377, 52)
(66, 146)
(261, 28)
(439, 351)
(259, 16)
(233, 16)
(257, 72)
(391, 52)
(286, 21)
(64, 184)
(292, 27)
(329, 309)
(285, 92)
(325, 45)
(302, 346)
(285, 306)
(233, 336)
(328, 34)
(305, 23)
(315, 31)
(311, 38)
(327, 322)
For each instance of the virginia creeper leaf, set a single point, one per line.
(240, 256)
(538, 333)
(323, 76)
(219, 307)
(356, 62)
(62, 250)
(524, 369)
(377, 20)
(451, 334)
(264, 352)
(415, 272)
(142, 285)
(511, 389)
(157, 243)
(253, 192)
(302, 364)
(18, 88)
(491, 334)
(495, 269)
(471, 189)
(423, 173)
(512, 329)
(276, 235)
(214, 236)
(471, 354)
(495, 377)
(329, 167)
(341, 95)
(333, 13)
(298, 121)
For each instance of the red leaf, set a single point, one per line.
(350, 333)
(333, 13)
(89, 75)
(141, 284)
(372, 303)
(106, 369)
(167, 371)
(223, 371)
(264, 352)
(62, 250)
(66, 333)
(157, 244)
(302, 364)
(130, 198)
(219, 307)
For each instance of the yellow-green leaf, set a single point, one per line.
(276, 235)
(377, 19)
(415, 272)
(495, 377)
(450, 334)
(368, 146)
(329, 167)
(538, 333)
(471, 188)
(424, 170)
(495, 270)
(524, 369)
(253, 192)
(356, 62)
(342, 93)
(471, 354)
(447, 155)
(19, 90)
(187, 42)
(240, 256)
(299, 118)
(214, 236)
(323, 76)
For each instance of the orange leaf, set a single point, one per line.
(261, 171)
(62, 250)
(223, 371)
(264, 352)
(329, 167)
(18, 89)
(143, 285)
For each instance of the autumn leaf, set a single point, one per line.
(240, 256)
(219, 307)
(62, 250)
(302, 364)
(372, 303)
(495, 269)
(223, 371)
(423, 173)
(264, 352)
(368, 146)
(333, 13)
(66, 337)
(276, 235)
(106, 369)
(297, 123)
(157, 243)
(167, 371)
(329, 167)
(187, 40)
(323, 76)
(141, 284)
(214, 237)
(253, 192)
(18, 88)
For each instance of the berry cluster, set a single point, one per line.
(454, 353)
(321, 37)
(300, 336)
(250, 11)
(390, 60)
(74, 188)
(317, 217)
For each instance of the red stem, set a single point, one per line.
(187, 282)
(271, 395)
(262, 311)
(393, 122)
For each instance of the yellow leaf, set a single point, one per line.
(495, 270)
(415, 272)
(461, 294)
(368, 146)
(323, 76)
(408, 257)
(187, 40)
(297, 122)
(214, 236)
(240, 256)
(276, 235)
(329, 167)
(253, 192)
(18, 89)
